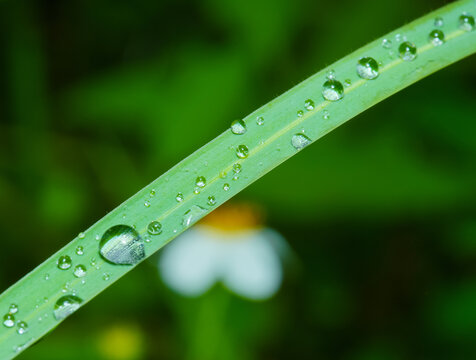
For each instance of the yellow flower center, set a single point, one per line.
(235, 217)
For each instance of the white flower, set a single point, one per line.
(228, 249)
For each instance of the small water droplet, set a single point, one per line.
(436, 37)
(200, 181)
(66, 305)
(325, 115)
(152, 193)
(106, 276)
(234, 178)
(438, 22)
(238, 127)
(13, 309)
(223, 174)
(260, 120)
(300, 141)
(80, 271)
(147, 203)
(407, 51)
(196, 190)
(398, 37)
(347, 82)
(121, 244)
(386, 43)
(9, 320)
(466, 22)
(300, 113)
(211, 200)
(154, 228)
(193, 215)
(79, 250)
(309, 104)
(64, 262)
(331, 74)
(237, 168)
(179, 197)
(22, 327)
(242, 151)
(332, 90)
(367, 68)
(81, 235)
(226, 187)
(47, 277)
(93, 261)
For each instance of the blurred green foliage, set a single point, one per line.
(96, 97)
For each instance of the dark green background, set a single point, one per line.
(98, 98)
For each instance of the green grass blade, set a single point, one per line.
(269, 145)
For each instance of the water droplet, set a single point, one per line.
(407, 51)
(309, 104)
(121, 244)
(332, 90)
(211, 200)
(64, 262)
(234, 178)
(147, 203)
(386, 43)
(439, 22)
(93, 261)
(22, 327)
(79, 271)
(179, 197)
(106, 276)
(398, 37)
(436, 37)
(325, 115)
(223, 174)
(196, 190)
(81, 235)
(242, 151)
(238, 127)
(466, 22)
(367, 68)
(47, 277)
(226, 187)
(66, 305)
(331, 74)
(200, 181)
(13, 309)
(154, 228)
(300, 113)
(300, 141)
(237, 168)
(260, 120)
(193, 215)
(347, 82)
(79, 250)
(152, 193)
(9, 320)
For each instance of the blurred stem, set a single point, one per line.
(210, 332)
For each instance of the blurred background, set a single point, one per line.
(381, 222)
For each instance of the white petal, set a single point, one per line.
(251, 267)
(189, 265)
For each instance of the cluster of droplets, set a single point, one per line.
(9, 320)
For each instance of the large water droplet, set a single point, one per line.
(300, 141)
(9, 320)
(22, 327)
(238, 127)
(66, 305)
(64, 262)
(407, 51)
(79, 271)
(309, 104)
(154, 228)
(436, 37)
(121, 244)
(242, 151)
(193, 215)
(439, 22)
(332, 90)
(201, 181)
(466, 22)
(367, 68)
